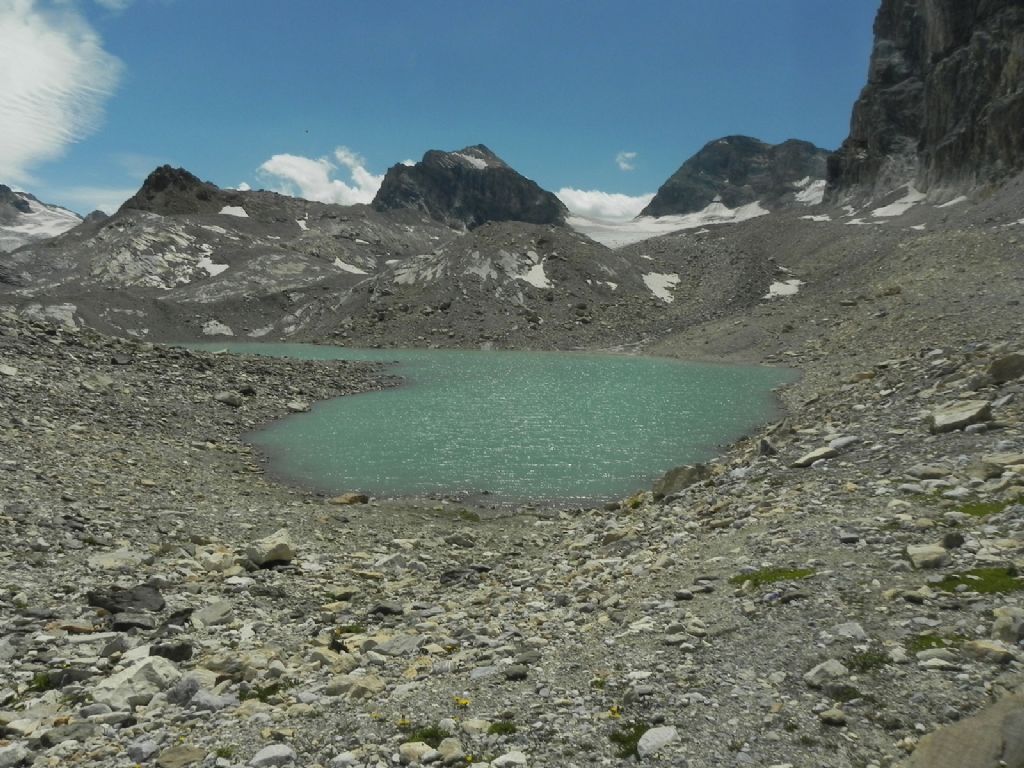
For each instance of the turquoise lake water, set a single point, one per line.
(520, 426)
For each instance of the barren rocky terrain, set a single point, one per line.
(829, 591)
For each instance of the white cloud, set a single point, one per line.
(88, 199)
(312, 178)
(243, 187)
(625, 161)
(603, 206)
(114, 5)
(54, 79)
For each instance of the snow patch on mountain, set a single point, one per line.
(662, 285)
(234, 210)
(901, 206)
(619, 234)
(40, 222)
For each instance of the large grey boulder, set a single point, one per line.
(137, 684)
(954, 416)
(994, 738)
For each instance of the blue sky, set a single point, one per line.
(591, 95)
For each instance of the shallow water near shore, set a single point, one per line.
(513, 427)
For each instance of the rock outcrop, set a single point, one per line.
(466, 189)
(739, 170)
(169, 191)
(944, 100)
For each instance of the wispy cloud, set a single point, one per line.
(609, 207)
(88, 199)
(312, 178)
(54, 79)
(625, 161)
(114, 5)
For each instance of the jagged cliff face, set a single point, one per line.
(739, 170)
(467, 189)
(944, 103)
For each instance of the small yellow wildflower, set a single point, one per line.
(460, 702)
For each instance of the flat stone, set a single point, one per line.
(928, 471)
(414, 752)
(219, 612)
(8, 370)
(400, 645)
(825, 452)
(298, 406)
(275, 548)
(348, 499)
(180, 756)
(137, 599)
(824, 672)
(655, 739)
(513, 759)
(71, 732)
(275, 754)
(954, 416)
(925, 556)
(989, 650)
(234, 399)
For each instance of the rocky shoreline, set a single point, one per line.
(826, 593)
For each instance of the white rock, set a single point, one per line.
(510, 760)
(656, 738)
(12, 755)
(277, 547)
(827, 670)
(275, 754)
(137, 684)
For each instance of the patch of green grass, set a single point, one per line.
(468, 516)
(627, 738)
(502, 728)
(599, 683)
(866, 661)
(41, 682)
(431, 735)
(985, 580)
(225, 752)
(982, 508)
(925, 642)
(771, 575)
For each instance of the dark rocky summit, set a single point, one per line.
(169, 191)
(944, 102)
(738, 170)
(466, 189)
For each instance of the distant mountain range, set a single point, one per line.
(460, 249)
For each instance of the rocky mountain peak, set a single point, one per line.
(169, 191)
(467, 188)
(12, 202)
(944, 101)
(740, 170)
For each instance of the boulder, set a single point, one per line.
(825, 452)
(954, 416)
(277, 548)
(992, 738)
(675, 480)
(925, 556)
(824, 672)
(137, 684)
(655, 739)
(1006, 368)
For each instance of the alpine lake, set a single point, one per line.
(512, 427)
